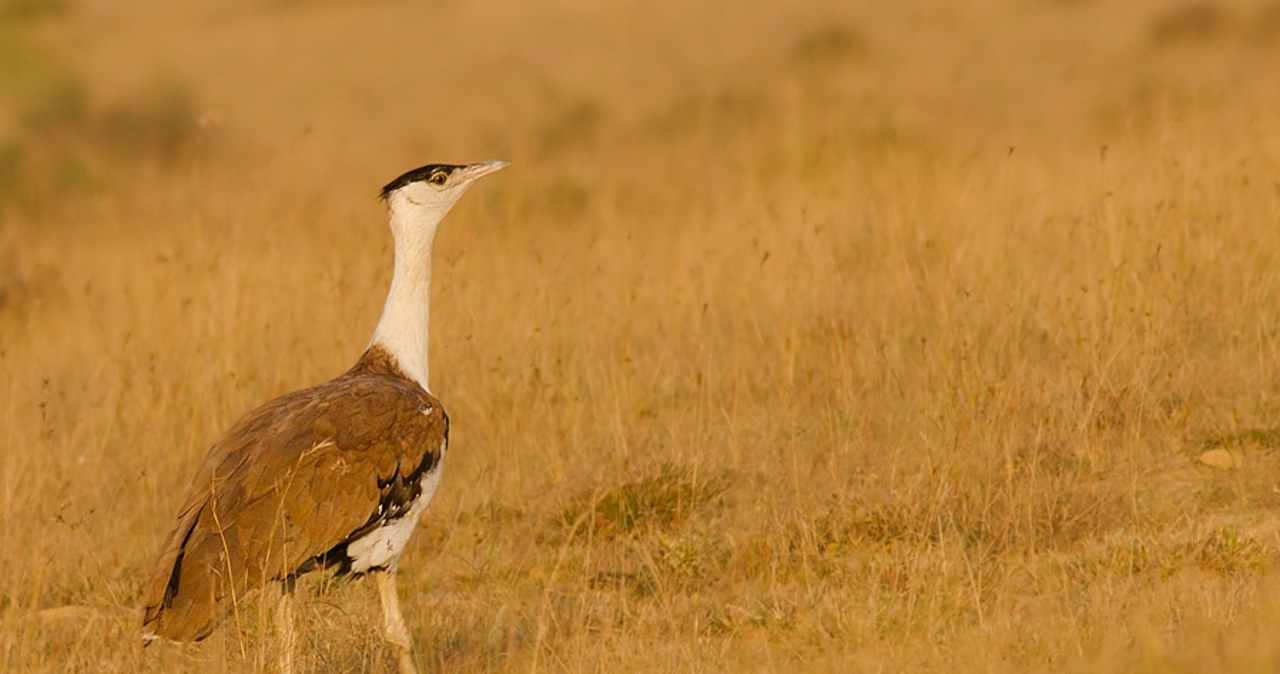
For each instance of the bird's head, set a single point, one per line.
(426, 194)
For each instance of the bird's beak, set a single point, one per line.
(472, 171)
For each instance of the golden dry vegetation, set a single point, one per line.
(800, 336)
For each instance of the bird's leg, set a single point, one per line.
(284, 626)
(393, 621)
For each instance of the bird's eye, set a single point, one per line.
(438, 178)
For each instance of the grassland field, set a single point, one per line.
(800, 336)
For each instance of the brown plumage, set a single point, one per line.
(333, 476)
(290, 486)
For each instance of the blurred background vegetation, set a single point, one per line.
(893, 335)
(55, 142)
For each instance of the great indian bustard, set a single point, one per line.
(334, 476)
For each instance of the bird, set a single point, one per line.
(334, 477)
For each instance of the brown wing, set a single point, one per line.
(287, 483)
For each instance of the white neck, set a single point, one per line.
(402, 330)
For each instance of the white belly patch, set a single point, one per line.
(381, 547)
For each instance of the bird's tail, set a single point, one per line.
(183, 597)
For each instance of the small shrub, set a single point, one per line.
(1193, 23)
(1265, 438)
(828, 45)
(161, 123)
(573, 124)
(33, 9)
(662, 501)
(1228, 551)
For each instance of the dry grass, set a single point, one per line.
(798, 338)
